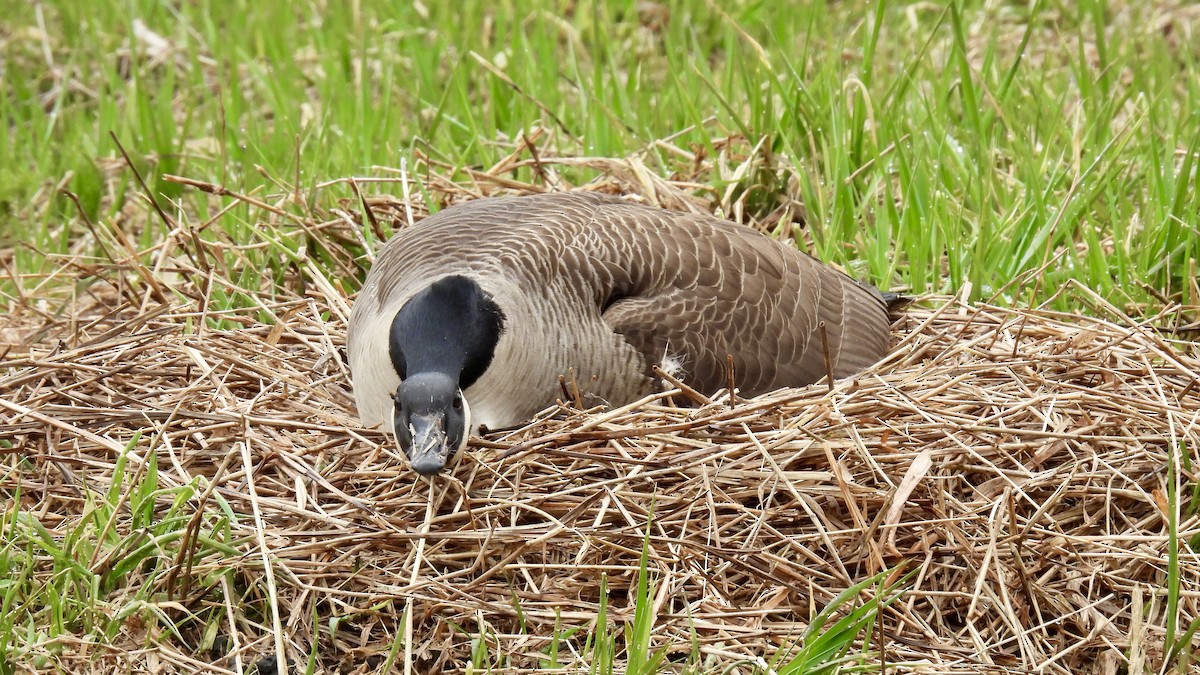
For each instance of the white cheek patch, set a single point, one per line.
(467, 430)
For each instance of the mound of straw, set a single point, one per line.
(1025, 463)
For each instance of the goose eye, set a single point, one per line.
(457, 402)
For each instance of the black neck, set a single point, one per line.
(449, 327)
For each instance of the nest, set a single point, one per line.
(1029, 466)
(1020, 460)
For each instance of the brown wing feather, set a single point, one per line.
(699, 289)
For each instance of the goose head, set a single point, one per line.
(431, 420)
(441, 341)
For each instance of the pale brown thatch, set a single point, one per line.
(1018, 459)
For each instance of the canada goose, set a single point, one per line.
(471, 316)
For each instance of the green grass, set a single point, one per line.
(102, 565)
(932, 148)
(1178, 643)
(824, 647)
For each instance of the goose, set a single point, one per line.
(469, 317)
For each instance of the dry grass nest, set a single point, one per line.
(1021, 461)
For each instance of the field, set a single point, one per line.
(195, 190)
